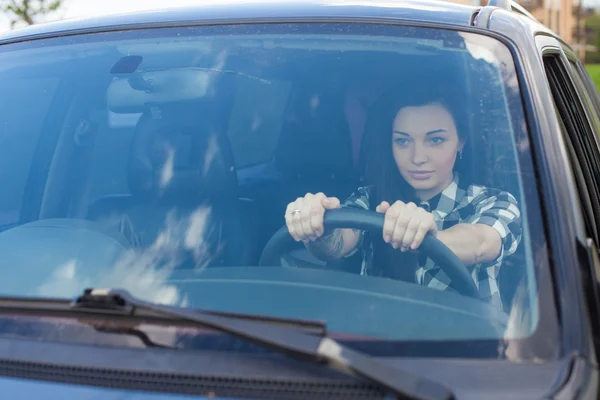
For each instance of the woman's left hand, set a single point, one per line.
(406, 225)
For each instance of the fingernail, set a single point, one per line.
(414, 246)
(403, 249)
(386, 238)
(394, 245)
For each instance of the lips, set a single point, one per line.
(420, 175)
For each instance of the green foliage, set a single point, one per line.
(592, 29)
(594, 71)
(27, 11)
(592, 24)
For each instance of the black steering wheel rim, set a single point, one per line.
(372, 221)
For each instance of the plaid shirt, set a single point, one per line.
(455, 204)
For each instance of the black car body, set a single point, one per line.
(44, 340)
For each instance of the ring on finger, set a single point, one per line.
(295, 211)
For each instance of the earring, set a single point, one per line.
(460, 153)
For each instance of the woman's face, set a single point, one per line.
(425, 145)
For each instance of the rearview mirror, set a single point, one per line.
(130, 93)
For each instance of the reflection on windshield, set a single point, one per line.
(200, 142)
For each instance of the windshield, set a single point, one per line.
(163, 161)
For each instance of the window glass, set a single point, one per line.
(581, 138)
(591, 89)
(202, 143)
(585, 97)
(25, 104)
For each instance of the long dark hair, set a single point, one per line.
(382, 175)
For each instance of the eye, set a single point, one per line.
(437, 140)
(401, 141)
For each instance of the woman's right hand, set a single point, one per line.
(304, 217)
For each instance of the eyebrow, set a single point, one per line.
(427, 134)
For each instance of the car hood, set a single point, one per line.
(467, 381)
(14, 388)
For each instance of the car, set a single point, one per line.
(152, 165)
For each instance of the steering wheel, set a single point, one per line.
(354, 218)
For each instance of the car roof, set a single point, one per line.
(437, 11)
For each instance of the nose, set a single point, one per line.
(419, 156)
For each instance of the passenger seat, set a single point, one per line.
(184, 196)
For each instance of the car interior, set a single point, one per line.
(243, 141)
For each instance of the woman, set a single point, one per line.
(413, 178)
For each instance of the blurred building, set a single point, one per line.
(565, 17)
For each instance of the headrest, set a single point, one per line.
(176, 157)
(315, 136)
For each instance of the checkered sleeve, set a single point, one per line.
(361, 198)
(500, 211)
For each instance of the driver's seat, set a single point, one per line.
(183, 201)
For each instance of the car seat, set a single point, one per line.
(183, 186)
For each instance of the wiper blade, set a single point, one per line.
(111, 306)
(133, 332)
(294, 343)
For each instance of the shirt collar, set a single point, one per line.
(444, 202)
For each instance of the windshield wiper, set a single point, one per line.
(292, 342)
(138, 333)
